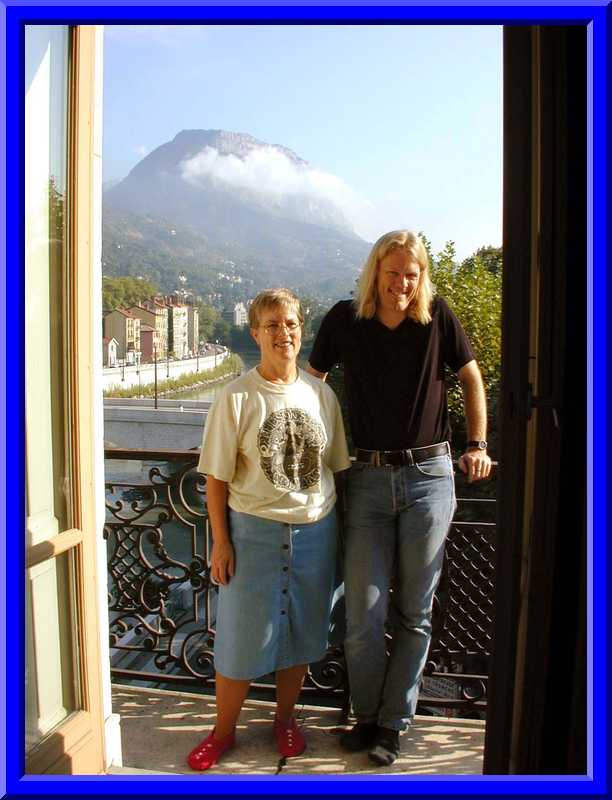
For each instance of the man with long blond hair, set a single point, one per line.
(395, 339)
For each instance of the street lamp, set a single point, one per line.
(216, 347)
(155, 371)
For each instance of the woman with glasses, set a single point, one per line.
(272, 442)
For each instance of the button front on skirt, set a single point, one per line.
(274, 612)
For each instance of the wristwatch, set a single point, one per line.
(473, 444)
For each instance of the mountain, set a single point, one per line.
(235, 215)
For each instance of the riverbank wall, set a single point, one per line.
(133, 376)
(135, 424)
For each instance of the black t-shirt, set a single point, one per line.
(394, 379)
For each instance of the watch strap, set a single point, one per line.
(477, 444)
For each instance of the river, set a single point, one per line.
(250, 358)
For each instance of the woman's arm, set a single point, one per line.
(222, 557)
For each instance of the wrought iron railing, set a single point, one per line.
(162, 604)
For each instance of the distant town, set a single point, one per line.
(159, 328)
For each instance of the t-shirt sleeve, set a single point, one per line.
(325, 351)
(456, 346)
(338, 452)
(220, 439)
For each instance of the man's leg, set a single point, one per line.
(422, 529)
(369, 554)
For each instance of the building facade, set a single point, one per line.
(125, 329)
(155, 315)
(241, 316)
(147, 343)
(178, 328)
(110, 358)
(193, 330)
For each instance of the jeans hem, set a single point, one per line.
(393, 726)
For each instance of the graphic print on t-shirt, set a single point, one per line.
(290, 443)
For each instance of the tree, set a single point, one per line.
(241, 339)
(427, 244)
(491, 258)
(222, 331)
(56, 211)
(445, 260)
(207, 318)
(125, 292)
(474, 294)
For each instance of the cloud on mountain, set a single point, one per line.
(268, 171)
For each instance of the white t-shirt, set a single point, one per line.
(277, 446)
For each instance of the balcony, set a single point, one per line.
(159, 728)
(162, 610)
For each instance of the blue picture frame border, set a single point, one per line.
(13, 15)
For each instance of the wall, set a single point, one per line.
(175, 425)
(125, 377)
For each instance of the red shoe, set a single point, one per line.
(210, 750)
(289, 738)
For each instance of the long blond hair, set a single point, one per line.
(366, 295)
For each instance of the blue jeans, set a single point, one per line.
(397, 519)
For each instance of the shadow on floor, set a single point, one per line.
(159, 728)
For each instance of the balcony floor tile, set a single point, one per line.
(159, 728)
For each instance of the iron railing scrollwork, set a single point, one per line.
(162, 603)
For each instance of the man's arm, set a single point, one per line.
(316, 373)
(476, 463)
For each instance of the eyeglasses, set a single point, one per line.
(272, 328)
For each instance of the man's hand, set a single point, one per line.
(476, 464)
(222, 561)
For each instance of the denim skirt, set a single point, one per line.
(274, 612)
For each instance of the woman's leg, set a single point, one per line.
(231, 694)
(230, 697)
(288, 686)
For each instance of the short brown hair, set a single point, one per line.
(274, 298)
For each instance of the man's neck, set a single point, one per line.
(390, 319)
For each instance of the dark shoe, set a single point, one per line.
(386, 747)
(360, 737)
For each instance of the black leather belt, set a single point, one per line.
(396, 458)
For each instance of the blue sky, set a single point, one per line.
(407, 119)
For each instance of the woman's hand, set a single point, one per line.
(222, 561)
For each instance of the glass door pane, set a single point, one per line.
(52, 690)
